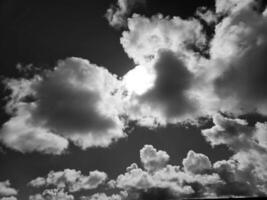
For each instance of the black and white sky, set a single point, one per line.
(133, 99)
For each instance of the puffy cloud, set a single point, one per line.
(238, 182)
(9, 198)
(18, 133)
(169, 181)
(146, 36)
(248, 164)
(232, 132)
(152, 159)
(231, 79)
(52, 194)
(71, 180)
(103, 196)
(238, 51)
(196, 163)
(117, 14)
(168, 98)
(6, 189)
(77, 101)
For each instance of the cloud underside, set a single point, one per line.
(181, 74)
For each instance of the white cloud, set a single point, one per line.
(6, 189)
(233, 132)
(169, 99)
(196, 163)
(238, 51)
(52, 194)
(77, 101)
(169, 179)
(248, 164)
(103, 196)
(152, 159)
(117, 14)
(71, 180)
(146, 36)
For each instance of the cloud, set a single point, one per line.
(77, 101)
(117, 14)
(103, 196)
(71, 180)
(248, 164)
(238, 51)
(168, 99)
(229, 79)
(152, 159)
(146, 36)
(168, 181)
(52, 194)
(233, 132)
(196, 163)
(6, 189)
(9, 198)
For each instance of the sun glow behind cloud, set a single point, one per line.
(140, 79)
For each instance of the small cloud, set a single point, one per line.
(6, 190)
(117, 14)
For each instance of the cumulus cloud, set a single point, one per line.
(238, 51)
(230, 79)
(168, 181)
(169, 98)
(248, 164)
(103, 196)
(152, 159)
(77, 101)
(197, 178)
(146, 36)
(71, 180)
(117, 14)
(196, 163)
(52, 194)
(6, 189)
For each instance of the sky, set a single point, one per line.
(133, 99)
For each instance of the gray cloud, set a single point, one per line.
(168, 100)
(77, 101)
(247, 167)
(6, 189)
(238, 49)
(52, 194)
(9, 198)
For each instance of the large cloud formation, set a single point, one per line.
(173, 82)
(77, 101)
(183, 81)
(198, 177)
(239, 46)
(181, 73)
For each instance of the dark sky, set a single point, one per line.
(42, 32)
